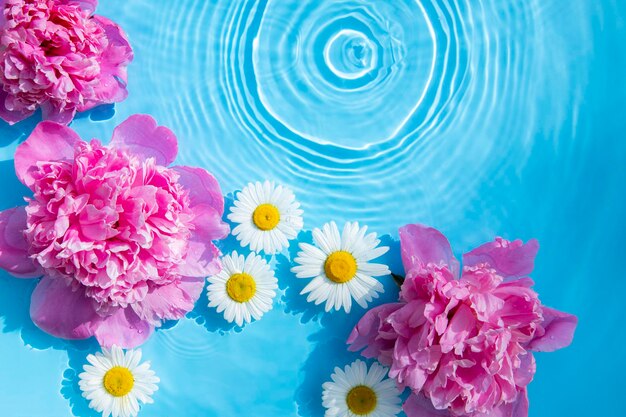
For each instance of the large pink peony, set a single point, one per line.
(57, 55)
(463, 345)
(122, 241)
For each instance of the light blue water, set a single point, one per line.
(481, 118)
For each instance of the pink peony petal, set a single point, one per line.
(207, 202)
(518, 408)
(49, 141)
(87, 5)
(170, 302)
(11, 116)
(202, 186)
(510, 259)
(58, 310)
(525, 373)
(53, 113)
(202, 259)
(141, 136)
(118, 50)
(421, 245)
(419, 406)
(123, 328)
(366, 331)
(558, 331)
(460, 328)
(113, 66)
(14, 256)
(407, 318)
(202, 256)
(208, 224)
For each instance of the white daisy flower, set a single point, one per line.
(357, 391)
(115, 382)
(244, 288)
(267, 216)
(340, 266)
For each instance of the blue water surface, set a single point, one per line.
(479, 117)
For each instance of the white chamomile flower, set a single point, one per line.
(243, 289)
(340, 267)
(357, 391)
(114, 382)
(267, 216)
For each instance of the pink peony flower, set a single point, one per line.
(122, 241)
(463, 345)
(57, 55)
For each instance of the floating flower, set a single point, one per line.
(357, 391)
(56, 55)
(340, 266)
(243, 289)
(463, 342)
(122, 242)
(115, 382)
(267, 217)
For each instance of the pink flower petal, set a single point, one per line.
(518, 408)
(460, 328)
(113, 66)
(141, 136)
(366, 331)
(525, 373)
(421, 245)
(58, 310)
(202, 255)
(558, 331)
(170, 302)
(419, 406)
(53, 113)
(87, 5)
(49, 141)
(14, 256)
(11, 116)
(123, 328)
(117, 38)
(202, 186)
(202, 259)
(512, 260)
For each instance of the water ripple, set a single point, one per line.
(357, 101)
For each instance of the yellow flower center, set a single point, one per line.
(118, 381)
(361, 400)
(266, 216)
(340, 266)
(241, 287)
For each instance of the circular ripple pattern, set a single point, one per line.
(359, 77)
(376, 111)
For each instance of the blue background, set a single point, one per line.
(480, 118)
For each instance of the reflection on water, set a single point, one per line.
(480, 117)
(358, 100)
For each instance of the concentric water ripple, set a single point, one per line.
(357, 68)
(392, 111)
